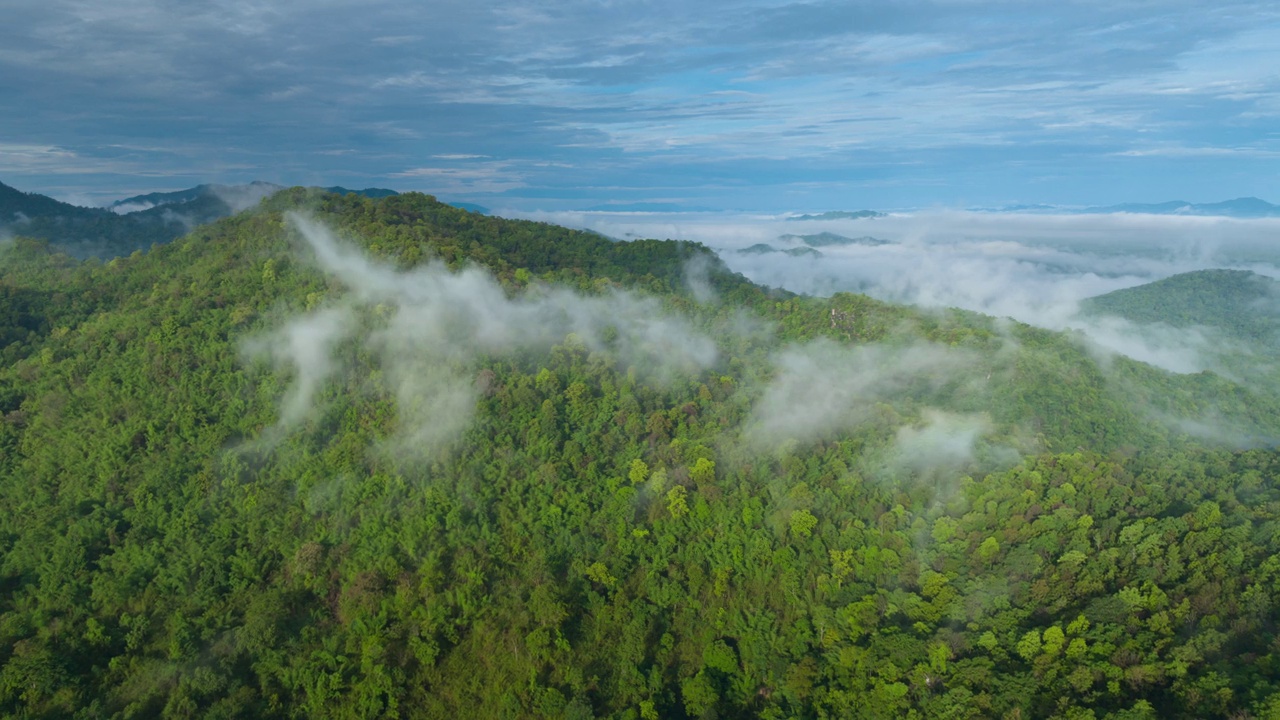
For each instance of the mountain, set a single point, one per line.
(1238, 303)
(334, 457)
(226, 199)
(765, 249)
(1249, 207)
(471, 207)
(840, 215)
(18, 206)
(372, 193)
(134, 223)
(83, 232)
(827, 239)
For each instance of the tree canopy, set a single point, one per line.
(845, 508)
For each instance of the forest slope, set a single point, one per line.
(1238, 304)
(343, 457)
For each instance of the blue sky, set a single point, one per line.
(572, 104)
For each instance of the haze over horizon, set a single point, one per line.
(755, 106)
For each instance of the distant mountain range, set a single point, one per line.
(840, 215)
(827, 239)
(134, 223)
(233, 198)
(806, 245)
(766, 249)
(469, 207)
(1248, 207)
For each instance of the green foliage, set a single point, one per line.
(802, 523)
(597, 544)
(1240, 304)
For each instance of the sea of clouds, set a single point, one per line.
(1035, 268)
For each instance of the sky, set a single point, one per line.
(745, 105)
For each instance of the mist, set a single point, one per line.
(429, 328)
(1034, 268)
(821, 389)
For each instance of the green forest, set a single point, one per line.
(345, 457)
(1238, 304)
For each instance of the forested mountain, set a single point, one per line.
(135, 223)
(232, 198)
(1238, 303)
(80, 231)
(344, 457)
(255, 190)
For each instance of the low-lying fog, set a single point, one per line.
(1035, 268)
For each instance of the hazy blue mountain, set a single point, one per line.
(133, 223)
(803, 252)
(233, 197)
(471, 207)
(840, 215)
(373, 193)
(1249, 207)
(16, 205)
(766, 249)
(81, 231)
(827, 239)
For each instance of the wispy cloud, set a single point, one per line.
(492, 177)
(940, 101)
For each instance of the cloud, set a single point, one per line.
(488, 177)
(127, 208)
(822, 389)
(1035, 268)
(307, 345)
(942, 441)
(18, 157)
(697, 278)
(781, 103)
(1193, 152)
(243, 197)
(430, 329)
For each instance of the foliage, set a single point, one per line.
(598, 544)
(1242, 305)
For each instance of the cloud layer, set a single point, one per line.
(1034, 268)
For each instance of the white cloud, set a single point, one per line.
(429, 328)
(1033, 268)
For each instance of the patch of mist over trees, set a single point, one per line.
(976, 518)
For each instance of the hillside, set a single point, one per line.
(1240, 304)
(345, 457)
(84, 232)
(134, 223)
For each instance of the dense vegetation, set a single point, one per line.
(1239, 304)
(992, 524)
(84, 232)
